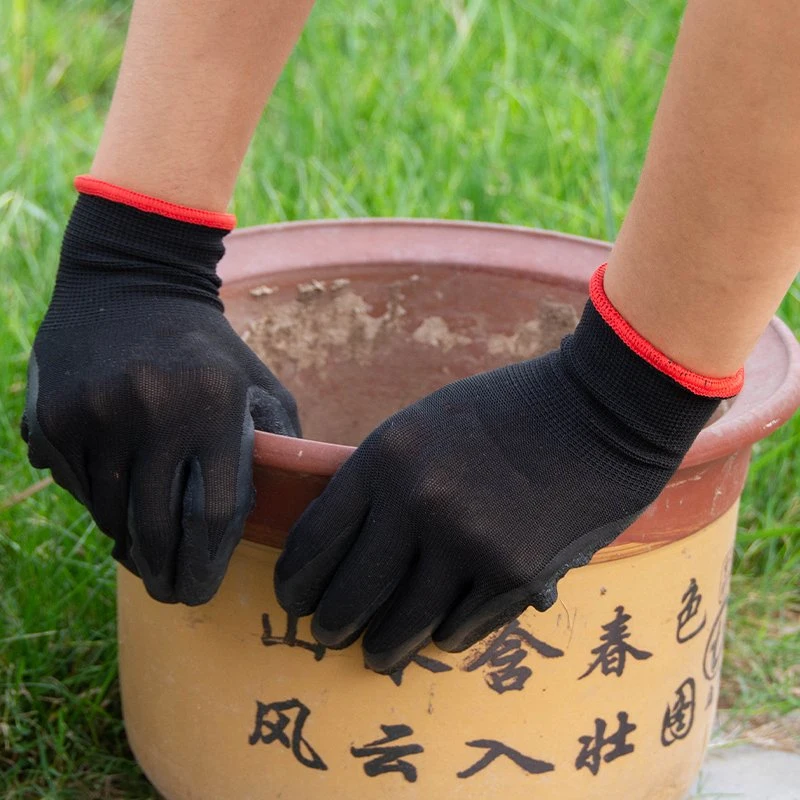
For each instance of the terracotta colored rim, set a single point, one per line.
(728, 434)
(768, 400)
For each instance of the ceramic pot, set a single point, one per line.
(612, 692)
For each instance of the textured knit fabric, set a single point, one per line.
(142, 400)
(458, 512)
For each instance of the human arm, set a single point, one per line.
(141, 399)
(711, 241)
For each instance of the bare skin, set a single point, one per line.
(194, 80)
(711, 241)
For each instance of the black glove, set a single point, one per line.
(142, 400)
(458, 512)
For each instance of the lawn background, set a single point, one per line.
(520, 111)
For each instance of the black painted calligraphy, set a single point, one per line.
(290, 637)
(600, 747)
(614, 648)
(712, 657)
(272, 722)
(504, 654)
(725, 575)
(690, 609)
(388, 757)
(495, 749)
(426, 662)
(679, 717)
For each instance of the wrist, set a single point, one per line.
(116, 256)
(637, 385)
(89, 185)
(696, 382)
(108, 237)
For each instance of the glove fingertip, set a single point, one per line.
(120, 552)
(270, 415)
(470, 624)
(319, 540)
(197, 579)
(393, 661)
(292, 599)
(298, 588)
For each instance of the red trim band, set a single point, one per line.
(86, 184)
(693, 381)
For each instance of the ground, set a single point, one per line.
(511, 111)
(745, 772)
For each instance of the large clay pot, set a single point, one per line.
(611, 693)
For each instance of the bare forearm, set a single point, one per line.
(194, 80)
(712, 239)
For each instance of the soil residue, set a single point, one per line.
(324, 323)
(434, 332)
(328, 323)
(354, 353)
(535, 337)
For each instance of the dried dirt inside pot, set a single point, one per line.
(368, 348)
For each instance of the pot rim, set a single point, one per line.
(316, 244)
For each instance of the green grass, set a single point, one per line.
(514, 111)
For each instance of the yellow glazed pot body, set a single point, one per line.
(615, 686)
(610, 693)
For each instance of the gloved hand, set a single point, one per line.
(142, 400)
(461, 510)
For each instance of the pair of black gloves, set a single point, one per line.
(453, 516)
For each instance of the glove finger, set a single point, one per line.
(363, 581)
(219, 495)
(43, 455)
(184, 530)
(110, 492)
(319, 541)
(30, 424)
(270, 413)
(290, 407)
(68, 474)
(155, 503)
(121, 553)
(407, 622)
(218, 498)
(477, 615)
(109, 479)
(268, 387)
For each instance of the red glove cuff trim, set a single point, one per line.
(693, 381)
(86, 184)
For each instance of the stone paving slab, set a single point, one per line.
(746, 772)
